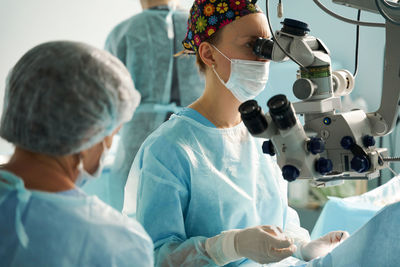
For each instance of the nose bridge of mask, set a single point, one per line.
(251, 69)
(247, 77)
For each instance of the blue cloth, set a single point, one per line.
(351, 213)
(143, 45)
(339, 215)
(196, 181)
(66, 229)
(374, 244)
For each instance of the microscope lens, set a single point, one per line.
(277, 104)
(252, 117)
(281, 112)
(263, 48)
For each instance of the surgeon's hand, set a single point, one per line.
(323, 245)
(263, 244)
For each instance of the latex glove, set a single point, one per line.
(263, 244)
(323, 245)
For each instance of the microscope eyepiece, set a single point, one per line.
(295, 27)
(263, 48)
(281, 112)
(253, 117)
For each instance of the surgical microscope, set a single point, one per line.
(331, 146)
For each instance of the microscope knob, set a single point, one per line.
(323, 166)
(303, 89)
(347, 142)
(290, 173)
(316, 145)
(268, 148)
(360, 164)
(368, 140)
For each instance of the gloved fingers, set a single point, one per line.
(290, 249)
(281, 253)
(345, 235)
(283, 242)
(337, 236)
(272, 229)
(277, 238)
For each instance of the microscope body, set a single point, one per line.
(330, 145)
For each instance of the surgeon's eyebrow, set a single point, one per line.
(250, 37)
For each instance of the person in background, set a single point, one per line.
(146, 43)
(64, 102)
(207, 194)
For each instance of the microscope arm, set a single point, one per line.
(384, 119)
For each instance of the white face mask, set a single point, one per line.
(84, 176)
(248, 77)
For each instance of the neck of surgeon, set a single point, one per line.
(217, 103)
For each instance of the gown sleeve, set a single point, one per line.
(163, 196)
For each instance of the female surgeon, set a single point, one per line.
(64, 101)
(207, 195)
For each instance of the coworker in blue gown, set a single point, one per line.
(207, 195)
(146, 43)
(64, 102)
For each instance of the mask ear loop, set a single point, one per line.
(106, 150)
(80, 164)
(221, 53)
(216, 74)
(213, 66)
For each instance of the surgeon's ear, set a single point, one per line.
(206, 53)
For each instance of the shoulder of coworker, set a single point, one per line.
(130, 25)
(117, 235)
(181, 13)
(105, 215)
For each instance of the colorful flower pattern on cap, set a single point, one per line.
(208, 16)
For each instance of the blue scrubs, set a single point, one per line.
(196, 180)
(66, 229)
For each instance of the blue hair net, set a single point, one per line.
(63, 97)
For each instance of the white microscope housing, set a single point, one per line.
(330, 146)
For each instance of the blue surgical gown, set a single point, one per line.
(355, 211)
(143, 45)
(196, 181)
(66, 229)
(374, 244)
